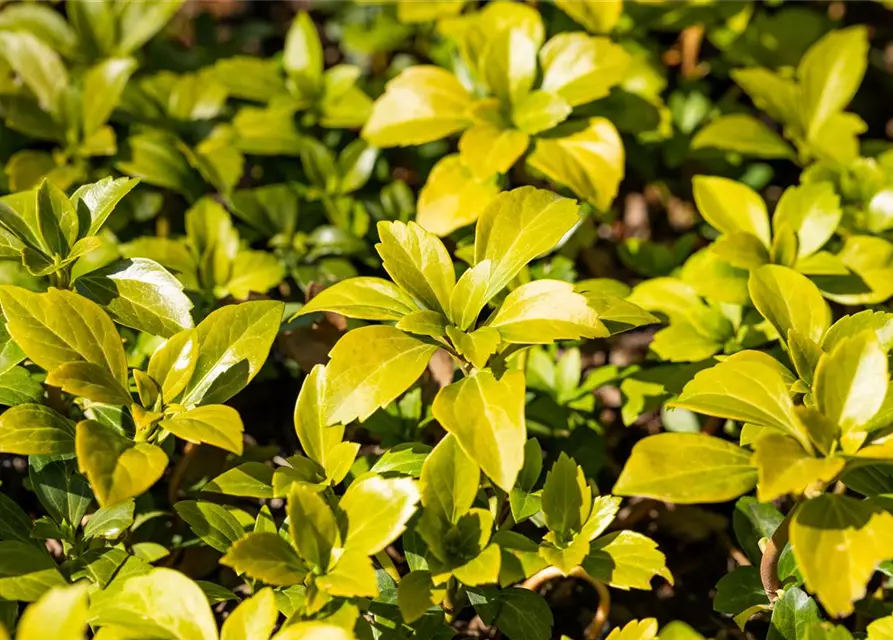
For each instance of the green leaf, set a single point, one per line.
(110, 522)
(812, 211)
(33, 429)
(63, 492)
(37, 66)
(247, 480)
(377, 510)
(116, 467)
(312, 525)
(255, 617)
(61, 614)
(838, 542)
(454, 195)
(730, 206)
(314, 631)
(369, 368)
(793, 612)
(173, 363)
(163, 603)
(749, 386)
(449, 480)
(544, 311)
(626, 560)
(363, 298)
(58, 327)
(28, 572)
(418, 262)
(520, 614)
(566, 499)
(266, 557)
(422, 104)
(581, 68)
(138, 23)
(302, 58)
(216, 526)
(319, 442)
(740, 590)
(784, 468)
(14, 522)
(686, 468)
(88, 380)
(518, 226)
(103, 85)
(597, 17)
(789, 301)
(57, 220)
(830, 74)
(233, 344)
(585, 156)
(140, 294)
(742, 133)
(214, 424)
(18, 386)
(486, 416)
(851, 381)
(415, 595)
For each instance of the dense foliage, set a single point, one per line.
(412, 320)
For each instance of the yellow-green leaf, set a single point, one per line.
(449, 480)
(364, 298)
(784, 468)
(317, 440)
(173, 363)
(742, 133)
(116, 467)
(730, 206)
(255, 617)
(267, 557)
(582, 68)
(486, 416)
(686, 468)
(58, 327)
(597, 17)
(312, 525)
(852, 380)
(418, 262)
(585, 156)
(214, 424)
(33, 429)
(789, 300)
(454, 196)
(369, 368)
(543, 311)
(91, 381)
(518, 226)
(377, 510)
(486, 149)
(424, 103)
(626, 560)
(160, 604)
(470, 295)
(838, 541)
(60, 614)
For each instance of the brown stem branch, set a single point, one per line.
(769, 561)
(593, 631)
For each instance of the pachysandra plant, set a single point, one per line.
(502, 50)
(809, 106)
(814, 420)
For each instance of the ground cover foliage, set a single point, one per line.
(412, 320)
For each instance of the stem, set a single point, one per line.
(594, 630)
(771, 555)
